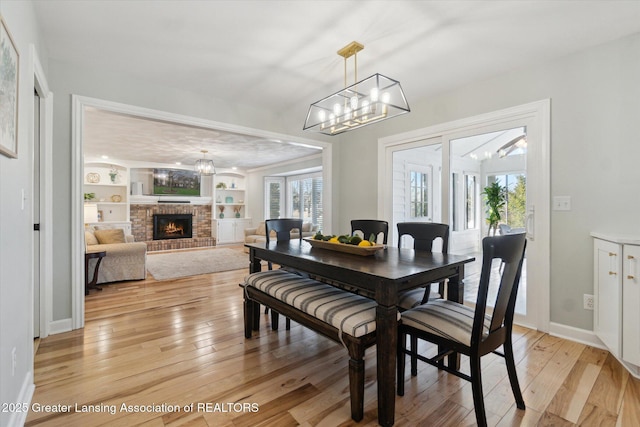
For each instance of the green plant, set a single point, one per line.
(221, 185)
(89, 196)
(495, 199)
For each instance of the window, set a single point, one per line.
(274, 197)
(515, 206)
(419, 193)
(470, 201)
(303, 197)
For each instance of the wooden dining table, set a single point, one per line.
(381, 276)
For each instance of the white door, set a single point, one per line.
(474, 152)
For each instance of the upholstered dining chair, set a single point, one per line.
(456, 328)
(424, 235)
(282, 227)
(370, 226)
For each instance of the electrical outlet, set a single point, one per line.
(14, 361)
(588, 301)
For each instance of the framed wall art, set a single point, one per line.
(9, 68)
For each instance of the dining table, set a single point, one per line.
(381, 275)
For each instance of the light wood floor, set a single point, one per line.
(181, 342)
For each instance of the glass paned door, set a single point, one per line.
(479, 161)
(417, 186)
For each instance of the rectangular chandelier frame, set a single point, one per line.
(368, 101)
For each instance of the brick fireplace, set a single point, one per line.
(142, 225)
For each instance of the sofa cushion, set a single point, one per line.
(90, 238)
(114, 235)
(261, 230)
(306, 226)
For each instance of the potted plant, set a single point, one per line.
(495, 199)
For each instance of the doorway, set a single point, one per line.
(458, 161)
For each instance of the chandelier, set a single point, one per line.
(205, 166)
(368, 101)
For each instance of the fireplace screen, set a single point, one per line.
(172, 226)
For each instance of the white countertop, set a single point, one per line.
(625, 239)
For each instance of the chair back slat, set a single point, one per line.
(283, 228)
(510, 250)
(369, 227)
(424, 234)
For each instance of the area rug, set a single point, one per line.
(172, 265)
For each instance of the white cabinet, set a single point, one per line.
(230, 230)
(607, 294)
(617, 296)
(631, 304)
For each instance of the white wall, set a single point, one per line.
(16, 294)
(595, 103)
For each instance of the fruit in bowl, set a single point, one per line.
(346, 239)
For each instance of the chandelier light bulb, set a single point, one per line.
(386, 97)
(337, 109)
(321, 115)
(354, 102)
(374, 94)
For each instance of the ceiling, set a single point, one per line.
(281, 55)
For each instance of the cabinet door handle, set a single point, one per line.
(630, 257)
(631, 277)
(612, 254)
(612, 273)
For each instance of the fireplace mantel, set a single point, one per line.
(154, 200)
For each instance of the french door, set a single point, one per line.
(455, 162)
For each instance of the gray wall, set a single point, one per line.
(595, 103)
(16, 247)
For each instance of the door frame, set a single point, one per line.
(538, 116)
(45, 267)
(78, 104)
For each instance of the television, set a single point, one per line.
(176, 182)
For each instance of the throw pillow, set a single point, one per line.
(90, 239)
(115, 235)
(306, 226)
(261, 230)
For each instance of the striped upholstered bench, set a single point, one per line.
(342, 316)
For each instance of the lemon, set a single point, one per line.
(365, 243)
(334, 240)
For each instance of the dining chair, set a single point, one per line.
(424, 235)
(370, 226)
(282, 227)
(456, 328)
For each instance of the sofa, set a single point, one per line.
(259, 234)
(125, 259)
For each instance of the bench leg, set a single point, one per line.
(275, 317)
(256, 316)
(248, 317)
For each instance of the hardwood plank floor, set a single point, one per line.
(158, 347)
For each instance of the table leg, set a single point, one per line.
(386, 340)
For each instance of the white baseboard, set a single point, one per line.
(59, 326)
(18, 418)
(582, 336)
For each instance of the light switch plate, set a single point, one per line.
(561, 203)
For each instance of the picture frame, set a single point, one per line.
(100, 216)
(9, 76)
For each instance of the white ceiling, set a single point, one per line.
(281, 55)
